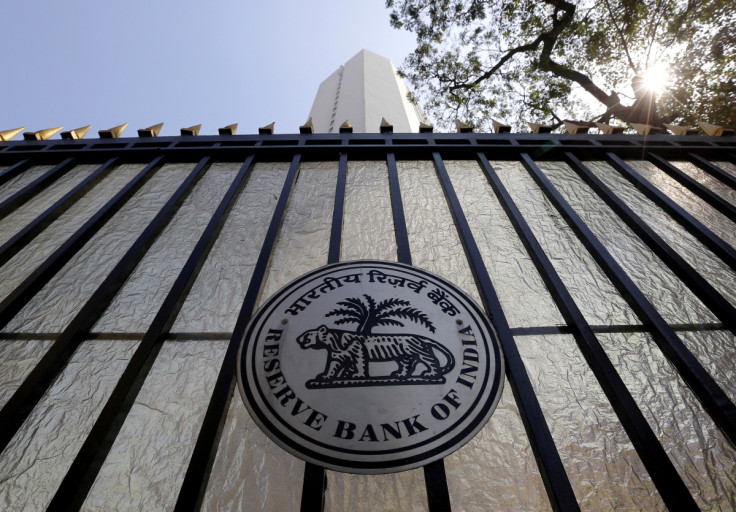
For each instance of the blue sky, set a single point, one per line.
(76, 62)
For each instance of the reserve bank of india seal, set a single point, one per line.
(370, 367)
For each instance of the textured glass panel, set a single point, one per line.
(24, 178)
(727, 166)
(274, 478)
(368, 232)
(496, 470)
(41, 247)
(435, 245)
(215, 299)
(674, 301)
(55, 305)
(698, 208)
(250, 471)
(24, 214)
(37, 458)
(716, 351)
(17, 359)
(304, 238)
(697, 448)
(368, 226)
(433, 239)
(604, 469)
(709, 181)
(590, 288)
(517, 282)
(705, 262)
(135, 306)
(146, 465)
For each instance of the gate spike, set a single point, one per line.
(500, 127)
(9, 134)
(114, 132)
(267, 130)
(151, 131)
(192, 130)
(346, 127)
(77, 133)
(463, 127)
(42, 134)
(386, 127)
(307, 128)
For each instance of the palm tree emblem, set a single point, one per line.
(370, 314)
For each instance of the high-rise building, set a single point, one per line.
(130, 267)
(363, 91)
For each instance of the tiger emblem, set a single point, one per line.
(349, 354)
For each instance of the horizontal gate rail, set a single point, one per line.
(668, 482)
(714, 400)
(38, 381)
(37, 225)
(696, 228)
(195, 481)
(702, 289)
(550, 465)
(86, 466)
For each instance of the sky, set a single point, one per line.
(72, 63)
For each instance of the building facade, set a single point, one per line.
(363, 91)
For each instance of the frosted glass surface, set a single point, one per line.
(523, 295)
(496, 470)
(593, 293)
(147, 463)
(727, 166)
(604, 469)
(37, 458)
(136, 304)
(702, 177)
(35, 206)
(215, 299)
(672, 299)
(701, 454)
(243, 458)
(55, 305)
(705, 262)
(304, 238)
(433, 239)
(28, 259)
(12, 186)
(17, 359)
(716, 351)
(435, 245)
(368, 226)
(691, 203)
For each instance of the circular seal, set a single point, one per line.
(370, 367)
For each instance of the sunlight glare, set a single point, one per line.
(656, 78)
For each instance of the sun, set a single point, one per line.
(656, 78)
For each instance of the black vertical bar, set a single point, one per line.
(696, 187)
(194, 486)
(435, 479)
(690, 223)
(714, 400)
(86, 466)
(14, 170)
(718, 304)
(53, 212)
(333, 255)
(314, 484)
(35, 187)
(713, 170)
(20, 405)
(556, 482)
(19, 297)
(673, 490)
(397, 207)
